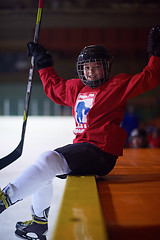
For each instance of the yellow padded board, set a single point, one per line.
(80, 216)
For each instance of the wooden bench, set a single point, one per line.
(130, 196)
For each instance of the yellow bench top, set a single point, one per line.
(80, 216)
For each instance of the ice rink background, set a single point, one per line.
(42, 133)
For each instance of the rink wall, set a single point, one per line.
(12, 100)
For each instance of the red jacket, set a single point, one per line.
(98, 112)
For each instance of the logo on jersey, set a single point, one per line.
(83, 105)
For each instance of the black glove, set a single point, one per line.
(154, 42)
(41, 56)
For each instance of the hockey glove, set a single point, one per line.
(154, 42)
(41, 56)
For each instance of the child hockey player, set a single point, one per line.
(98, 104)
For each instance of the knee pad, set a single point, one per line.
(52, 163)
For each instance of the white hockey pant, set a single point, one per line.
(37, 180)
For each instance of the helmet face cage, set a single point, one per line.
(98, 55)
(93, 83)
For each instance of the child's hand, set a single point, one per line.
(154, 41)
(41, 56)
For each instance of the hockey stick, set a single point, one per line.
(5, 161)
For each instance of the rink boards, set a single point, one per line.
(122, 205)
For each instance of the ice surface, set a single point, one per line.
(42, 133)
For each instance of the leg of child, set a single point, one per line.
(37, 179)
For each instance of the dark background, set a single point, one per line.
(67, 26)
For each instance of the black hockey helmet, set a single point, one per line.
(94, 53)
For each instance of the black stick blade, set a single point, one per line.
(5, 161)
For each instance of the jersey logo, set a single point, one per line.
(83, 105)
(81, 111)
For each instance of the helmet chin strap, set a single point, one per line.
(94, 83)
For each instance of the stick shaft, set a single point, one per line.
(31, 70)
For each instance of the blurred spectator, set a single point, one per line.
(138, 138)
(130, 120)
(154, 138)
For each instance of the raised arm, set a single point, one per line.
(58, 89)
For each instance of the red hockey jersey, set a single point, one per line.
(98, 112)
